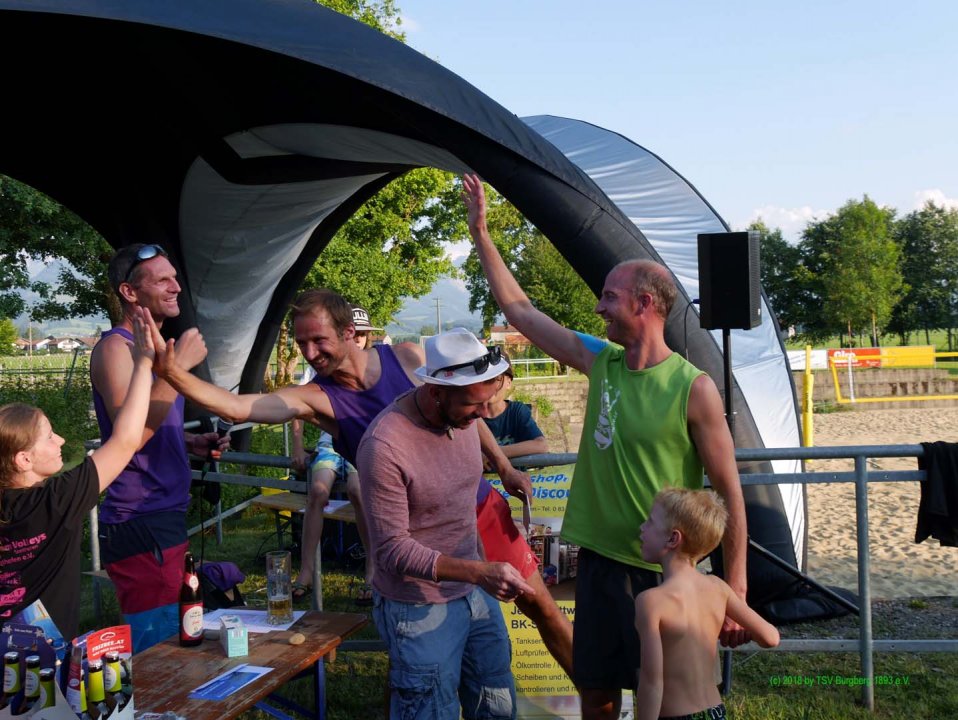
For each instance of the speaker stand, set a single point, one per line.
(727, 365)
(726, 686)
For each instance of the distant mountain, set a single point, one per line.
(415, 314)
(74, 327)
(420, 312)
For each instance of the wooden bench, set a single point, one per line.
(289, 502)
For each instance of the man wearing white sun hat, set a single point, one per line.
(434, 598)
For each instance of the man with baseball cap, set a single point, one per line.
(435, 600)
(362, 325)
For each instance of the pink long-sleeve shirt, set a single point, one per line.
(419, 497)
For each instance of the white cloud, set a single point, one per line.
(408, 24)
(791, 221)
(458, 251)
(936, 196)
(35, 267)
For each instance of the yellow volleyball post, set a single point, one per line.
(808, 392)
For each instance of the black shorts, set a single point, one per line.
(605, 643)
(713, 713)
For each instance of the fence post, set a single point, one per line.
(851, 380)
(864, 583)
(808, 392)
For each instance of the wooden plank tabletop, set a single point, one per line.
(296, 502)
(165, 674)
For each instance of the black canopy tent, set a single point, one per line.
(240, 135)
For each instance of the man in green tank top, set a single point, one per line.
(652, 421)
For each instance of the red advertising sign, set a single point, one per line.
(859, 357)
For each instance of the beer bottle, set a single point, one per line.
(96, 694)
(84, 713)
(113, 678)
(191, 605)
(126, 679)
(11, 677)
(31, 684)
(48, 693)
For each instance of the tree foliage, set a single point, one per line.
(929, 241)
(382, 14)
(8, 336)
(780, 277)
(549, 281)
(33, 227)
(850, 270)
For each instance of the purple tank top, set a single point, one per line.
(355, 409)
(158, 477)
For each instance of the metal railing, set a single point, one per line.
(524, 368)
(861, 476)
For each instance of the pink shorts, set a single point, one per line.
(501, 538)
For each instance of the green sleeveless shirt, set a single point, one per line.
(635, 441)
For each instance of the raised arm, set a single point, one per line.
(307, 402)
(115, 453)
(544, 332)
(713, 441)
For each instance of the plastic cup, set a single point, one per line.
(279, 588)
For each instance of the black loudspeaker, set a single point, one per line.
(730, 287)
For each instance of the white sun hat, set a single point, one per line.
(456, 357)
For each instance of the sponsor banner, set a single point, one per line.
(543, 689)
(550, 492)
(856, 357)
(796, 359)
(909, 356)
(912, 356)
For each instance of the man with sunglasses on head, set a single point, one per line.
(142, 520)
(351, 387)
(652, 420)
(434, 598)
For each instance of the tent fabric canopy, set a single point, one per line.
(241, 135)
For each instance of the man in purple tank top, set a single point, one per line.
(352, 386)
(143, 517)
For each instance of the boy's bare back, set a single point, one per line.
(686, 613)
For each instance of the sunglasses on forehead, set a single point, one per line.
(480, 364)
(147, 252)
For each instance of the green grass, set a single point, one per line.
(938, 338)
(759, 692)
(43, 361)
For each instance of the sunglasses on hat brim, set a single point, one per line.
(479, 365)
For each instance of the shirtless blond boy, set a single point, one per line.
(679, 621)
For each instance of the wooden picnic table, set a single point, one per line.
(165, 674)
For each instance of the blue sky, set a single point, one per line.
(772, 109)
